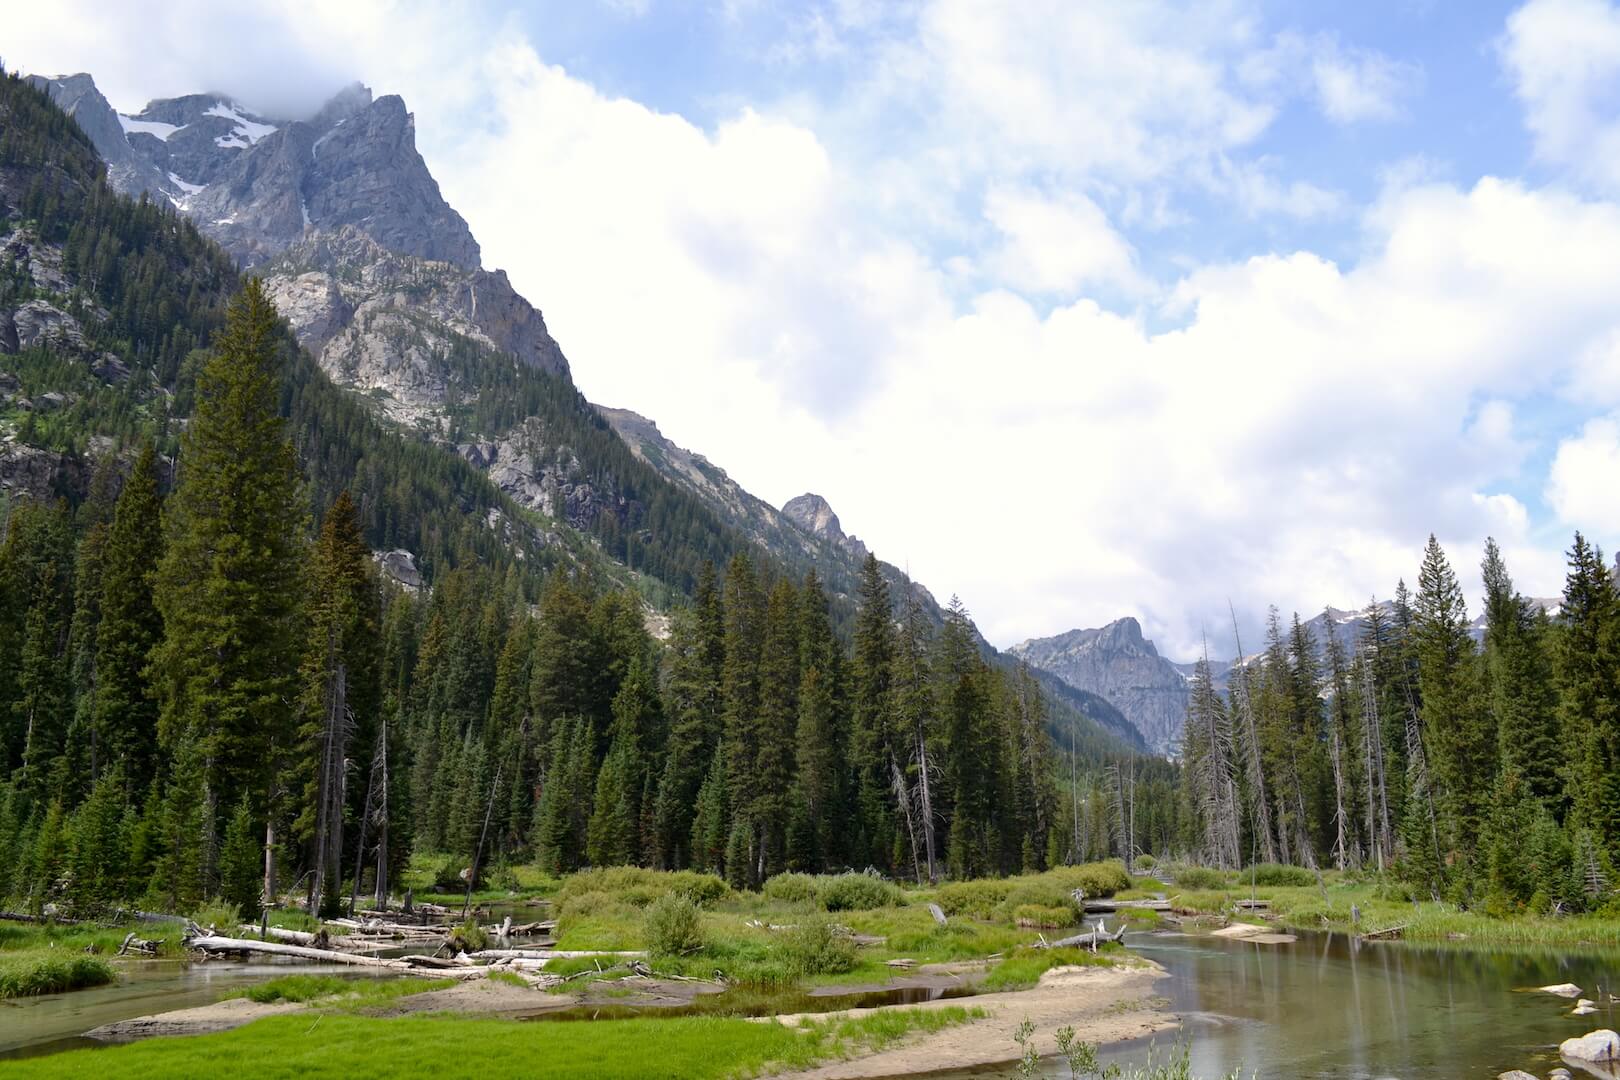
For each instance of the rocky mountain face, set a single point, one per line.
(382, 323)
(258, 185)
(1118, 664)
(812, 514)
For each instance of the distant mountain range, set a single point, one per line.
(1118, 664)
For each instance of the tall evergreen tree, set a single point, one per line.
(228, 584)
(126, 710)
(870, 749)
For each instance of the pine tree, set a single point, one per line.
(1519, 681)
(820, 739)
(1589, 674)
(775, 759)
(870, 749)
(228, 584)
(1461, 738)
(131, 626)
(339, 683)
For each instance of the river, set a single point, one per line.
(1324, 1008)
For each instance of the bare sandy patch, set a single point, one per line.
(201, 1020)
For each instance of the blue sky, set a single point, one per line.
(1077, 309)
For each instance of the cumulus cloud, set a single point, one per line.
(1564, 59)
(1348, 84)
(1583, 485)
(892, 298)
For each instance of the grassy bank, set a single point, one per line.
(1336, 904)
(337, 992)
(31, 972)
(345, 1046)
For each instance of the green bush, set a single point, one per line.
(1097, 879)
(1146, 862)
(858, 892)
(469, 937)
(447, 876)
(1276, 874)
(639, 887)
(979, 899)
(817, 947)
(1200, 877)
(1040, 893)
(792, 889)
(674, 926)
(1042, 917)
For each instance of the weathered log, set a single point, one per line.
(215, 943)
(139, 945)
(938, 913)
(549, 954)
(1385, 934)
(297, 937)
(1090, 939)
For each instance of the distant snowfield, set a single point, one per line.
(247, 131)
(150, 127)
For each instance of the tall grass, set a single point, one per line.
(50, 971)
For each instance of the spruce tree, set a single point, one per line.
(870, 748)
(228, 584)
(821, 743)
(1589, 677)
(125, 709)
(1519, 683)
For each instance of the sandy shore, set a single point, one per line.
(1105, 1005)
(202, 1020)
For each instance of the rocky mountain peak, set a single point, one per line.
(815, 516)
(258, 184)
(1119, 664)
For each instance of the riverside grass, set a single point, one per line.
(346, 1046)
(31, 972)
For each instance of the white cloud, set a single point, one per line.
(1057, 244)
(1348, 84)
(1583, 484)
(833, 298)
(1564, 58)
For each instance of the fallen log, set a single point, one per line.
(139, 945)
(938, 913)
(1385, 934)
(296, 937)
(1090, 939)
(216, 943)
(549, 954)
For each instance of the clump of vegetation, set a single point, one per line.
(469, 937)
(857, 892)
(674, 926)
(222, 916)
(1200, 877)
(979, 898)
(1042, 917)
(1273, 875)
(792, 888)
(344, 991)
(639, 886)
(50, 971)
(818, 947)
(1024, 968)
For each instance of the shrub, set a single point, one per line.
(1200, 877)
(1040, 893)
(817, 947)
(858, 892)
(674, 926)
(1146, 862)
(1097, 879)
(1041, 917)
(639, 887)
(976, 898)
(447, 876)
(792, 889)
(1277, 874)
(469, 937)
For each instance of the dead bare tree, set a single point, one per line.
(1243, 706)
(336, 728)
(376, 811)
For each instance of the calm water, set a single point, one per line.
(1325, 1008)
(1330, 1008)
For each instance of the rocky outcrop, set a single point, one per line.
(1117, 663)
(386, 324)
(812, 513)
(258, 184)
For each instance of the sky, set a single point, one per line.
(1077, 310)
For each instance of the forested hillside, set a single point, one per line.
(1488, 774)
(199, 663)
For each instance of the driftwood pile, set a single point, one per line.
(1088, 940)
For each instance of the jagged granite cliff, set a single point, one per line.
(259, 184)
(811, 513)
(1120, 665)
